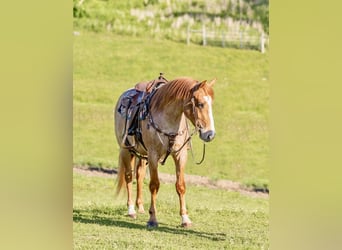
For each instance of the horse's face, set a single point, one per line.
(201, 114)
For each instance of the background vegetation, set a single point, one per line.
(170, 19)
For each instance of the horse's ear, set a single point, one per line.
(199, 85)
(211, 83)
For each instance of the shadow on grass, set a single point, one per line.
(93, 217)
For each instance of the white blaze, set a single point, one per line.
(210, 111)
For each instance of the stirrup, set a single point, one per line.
(125, 139)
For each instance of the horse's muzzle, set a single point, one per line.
(207, 136)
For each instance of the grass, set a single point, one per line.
(222, 219)
(107, 64)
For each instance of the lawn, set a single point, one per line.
(221, 219)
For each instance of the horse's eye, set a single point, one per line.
(200, 105)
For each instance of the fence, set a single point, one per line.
(239, 39)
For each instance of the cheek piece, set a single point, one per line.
(209, 134)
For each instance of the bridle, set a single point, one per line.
(172, 135)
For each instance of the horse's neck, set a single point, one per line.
(171, 117)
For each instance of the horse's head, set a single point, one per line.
(199, 109)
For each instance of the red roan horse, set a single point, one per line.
(162, 131)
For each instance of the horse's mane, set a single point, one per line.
(177, 89)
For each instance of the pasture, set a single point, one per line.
(107, 64)
(222, 219)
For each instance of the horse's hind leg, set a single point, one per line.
(140, 175)
(127, 162)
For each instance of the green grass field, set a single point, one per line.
(221, 219)
(106, 64)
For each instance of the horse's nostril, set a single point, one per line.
(207, 136)
(211, 135)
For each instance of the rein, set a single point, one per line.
(171, 137)
(192, 152)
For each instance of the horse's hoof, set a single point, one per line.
(186, 224)
(152, 224)
(133, 216)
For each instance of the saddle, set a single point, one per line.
(134, 107)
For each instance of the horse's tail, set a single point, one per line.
(120, 180)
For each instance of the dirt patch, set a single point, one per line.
(195, 180)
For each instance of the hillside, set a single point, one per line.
(227, 22)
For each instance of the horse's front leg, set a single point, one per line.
(154, 187)
(140, 175)
(180, 162)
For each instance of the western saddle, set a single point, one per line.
(134, 107)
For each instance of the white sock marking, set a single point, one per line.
(185, 219)
(131, 209)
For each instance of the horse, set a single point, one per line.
(164, 132)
